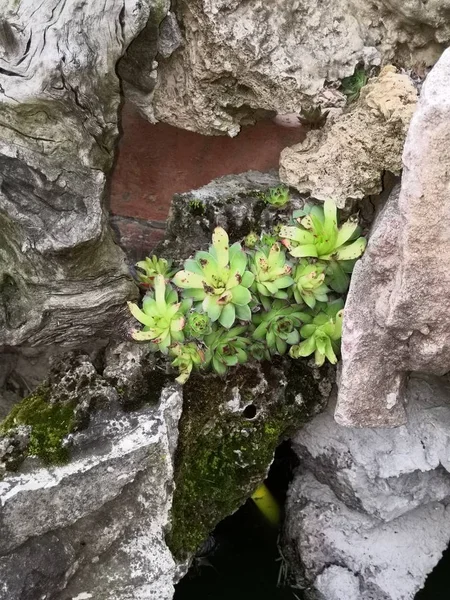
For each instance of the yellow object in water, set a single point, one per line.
(267, 504)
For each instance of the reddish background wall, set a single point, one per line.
(156, 161)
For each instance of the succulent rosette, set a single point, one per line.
(149, 268)
(186, 357)
(162, 315)
(226, 348)
(279, 326)
(322, 336)
(218, 281)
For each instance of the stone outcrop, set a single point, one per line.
(84, 529)
(395, 317)
(88, 467)
(367, 513)
(238, 60)
(62, 278)
(347, 158)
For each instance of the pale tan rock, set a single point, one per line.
(347, 158)
(238, 56)
(396, 317)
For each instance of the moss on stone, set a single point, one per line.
(222, 456)
(49, 424)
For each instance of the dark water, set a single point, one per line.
(244, 561)
(437, 585)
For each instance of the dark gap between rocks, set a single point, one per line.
(240, 559)
(437, 584)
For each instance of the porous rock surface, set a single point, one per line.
(234, 202)
(236, 58)
(395, 320)
(367, 513)
(94, 527)
(347, 158)
(62, 278)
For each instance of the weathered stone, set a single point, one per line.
(229, 431)
(367, 514)
(94, 527)
(239, 57)
(62, 278)
(234, 202)
(395, 321)
(347, 159)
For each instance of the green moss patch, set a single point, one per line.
(222, 456)
(49, 424)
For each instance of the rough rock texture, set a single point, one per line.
(229, 431)
(238, 57)
(235, 202)
(367, 514)
(88, 459)
(347, 159)
(94, 527)
(62, 278)
(395, 320)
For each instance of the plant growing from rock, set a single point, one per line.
(186, 357)
(271, 273)
(279, 327)
(309, 283)
(151, 267)
(278, 196)
(313, 117)
(316, 235)
(226, 348)
(218, 281)
(351, 86)
(162, 316)
(241, 305)
(321, 336)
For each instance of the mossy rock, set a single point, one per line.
(48, 425)
(229, 431)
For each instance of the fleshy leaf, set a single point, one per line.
(227, 316)
(221, 245)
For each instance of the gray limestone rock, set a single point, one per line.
(395, 317)
(367, 514)
(234, 202)
(94, 527)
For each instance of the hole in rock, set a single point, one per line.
(240, 559)
(157, 161)
(437, 584)
(249, 411)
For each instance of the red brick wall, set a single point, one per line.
(156, 161)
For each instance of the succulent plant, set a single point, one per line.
(321, 336)
(279, 326)
(313, 117)
(351, 86)
(218, 281)
(150, 267)
(226, 348)
(259, 351)
(271, 272)
(162, 316)
(277, 196)
(187, 356)
(317, 235)
(197, 325)
(309, 286)
(251, 240)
